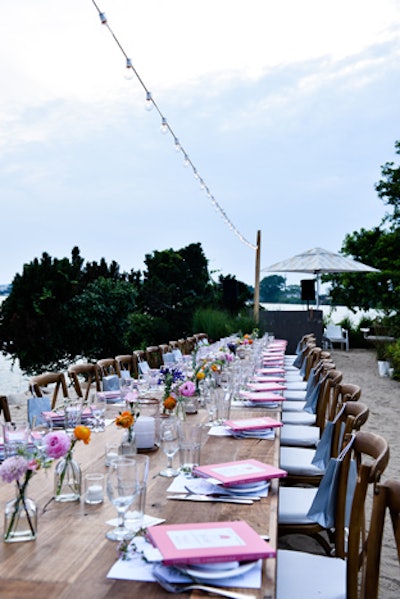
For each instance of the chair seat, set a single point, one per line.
(299, 418)
(295, 385)
(298, 461)
(295, 395)
(308, 576)
(294, 503)
(293, 406)
(300, 435)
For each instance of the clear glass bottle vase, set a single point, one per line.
(127, 446)
(67, 480)
(20, 519)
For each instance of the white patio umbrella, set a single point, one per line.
(319, 261)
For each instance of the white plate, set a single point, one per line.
(216, 574)
(254, 488)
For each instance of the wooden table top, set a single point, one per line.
(71, 556)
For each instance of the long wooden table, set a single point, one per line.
(71, 556)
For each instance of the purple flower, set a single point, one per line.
(13, 468)
(57, 444)
(188, 389)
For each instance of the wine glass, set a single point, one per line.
(170, 444)
(122, 487)
(98, 404)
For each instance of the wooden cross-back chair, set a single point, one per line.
(154, 356)
(295, 501)
(4, 409)
(298, 461)
(305, 575)
(83, 377)
(39, 381)
(386, 504)
(128, 362)
(108, 366)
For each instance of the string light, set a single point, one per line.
(165, 128)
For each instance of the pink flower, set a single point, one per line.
(57, 444)
(188, 389)
(13, 468)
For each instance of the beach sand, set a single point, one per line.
(382, 396)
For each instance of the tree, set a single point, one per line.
(175, 283)
(272, 288)
(378, 247)
(41, 323)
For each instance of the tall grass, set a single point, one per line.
(218, 323)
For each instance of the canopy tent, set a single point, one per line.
(319, 261)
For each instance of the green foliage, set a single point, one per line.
(174, 285)
(393, 354)
(59, 310)
(378, 247)
(272, 289)
(99, 318)
(219, 323)
(233, 294)
(45, 326)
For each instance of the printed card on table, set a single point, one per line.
(251, 424)
(240, 472)
(208, 542)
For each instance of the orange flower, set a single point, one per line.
(82, 433)
(214, 367)
(169, 402)
(200, 375)
(125, 419)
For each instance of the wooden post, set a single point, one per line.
(257, 281)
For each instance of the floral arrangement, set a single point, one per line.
(127, 418)
(59, 444)
(21, 467)
(171, 378)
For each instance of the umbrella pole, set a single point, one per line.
(318, 286)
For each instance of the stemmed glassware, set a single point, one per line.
(122, 487)
(170, 444)
(98, 404)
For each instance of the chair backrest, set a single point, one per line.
(42, 380)
(343, 393)
(334, 331)
(330, 378)
(108, 366)
(386, 499)
(128, 362)
(90, 375)
(154, 356)
(371, 453)
(4, 408)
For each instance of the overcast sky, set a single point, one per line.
(287, 109)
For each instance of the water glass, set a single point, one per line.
(170, 444)
(122, 488)
(98, 404)
(72, 416)
(16, 436)
(94, 488)
(134, 516)
(111, 452)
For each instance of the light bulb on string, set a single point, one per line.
(177, 145)
(129, 74)
(103, 18)
(149, 102)
(164, 126)
(186, 161)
